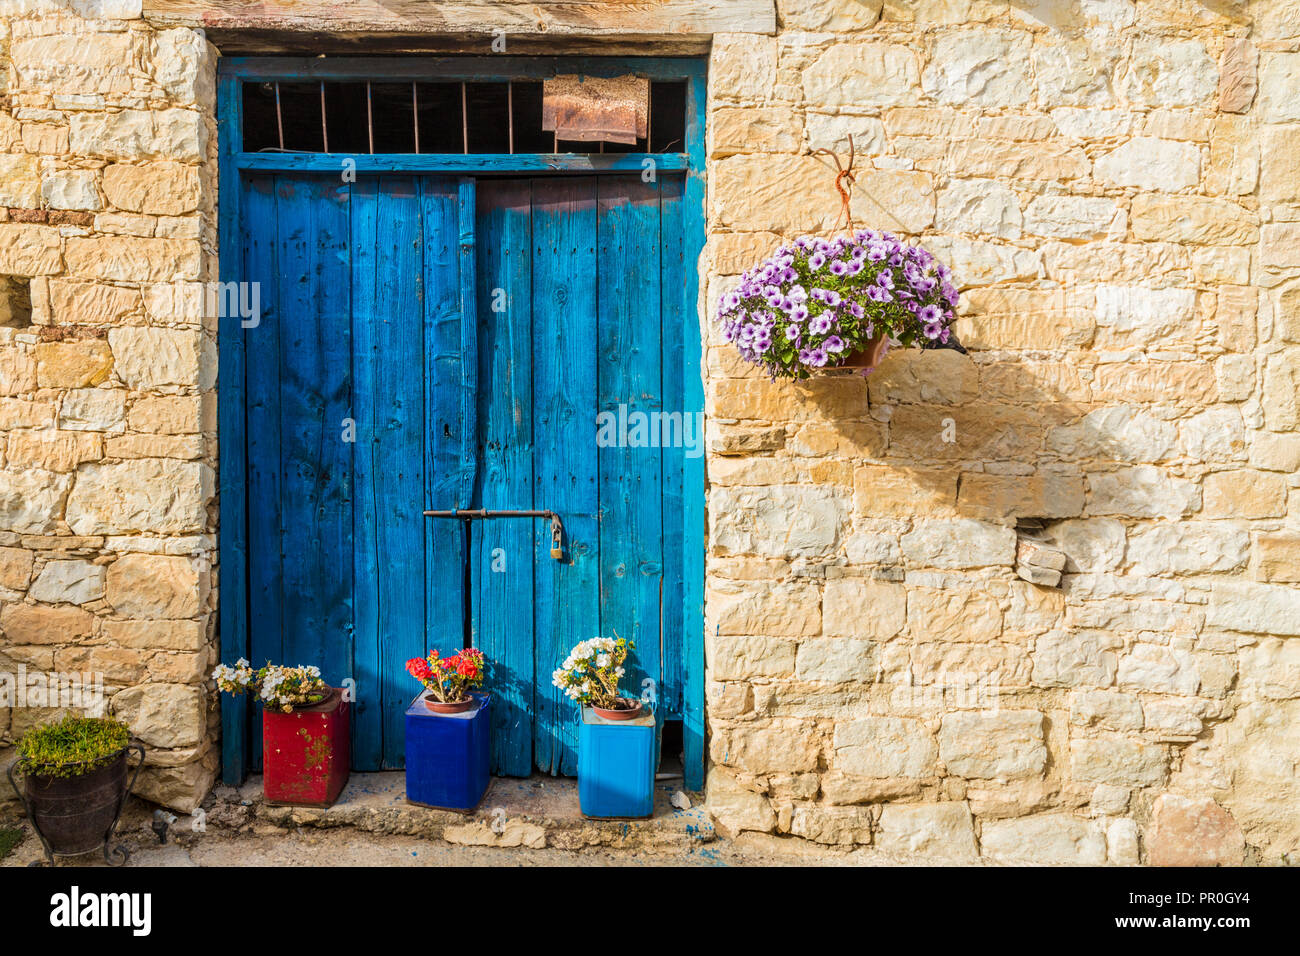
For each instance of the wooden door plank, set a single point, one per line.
(674, 312)
(315, 453)
(629, 403)
(232, 536)
(565, 462)
(261, 264)
(503, 552)
(389, 410)
(448, 476)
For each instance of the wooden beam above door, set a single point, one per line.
(598, 19)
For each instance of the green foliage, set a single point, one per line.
(73, 746)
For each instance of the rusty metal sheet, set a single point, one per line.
(592, 108)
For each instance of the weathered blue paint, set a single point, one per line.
(233, 532)
(543, 243)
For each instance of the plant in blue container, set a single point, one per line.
(590, 676)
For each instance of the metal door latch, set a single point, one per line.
(557, 525)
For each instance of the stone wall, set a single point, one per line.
(107, 367)
(1117, 187)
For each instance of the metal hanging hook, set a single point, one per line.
(845, 174)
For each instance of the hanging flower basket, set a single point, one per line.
(838, 304)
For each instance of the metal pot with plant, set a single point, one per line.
(75, 784)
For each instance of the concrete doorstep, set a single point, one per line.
(535, 812)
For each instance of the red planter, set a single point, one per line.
(306, 753)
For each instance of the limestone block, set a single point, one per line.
(980, 68)
(181, 787)
(832, 131)
(858, 76)
(742, 67)
(1168, 73)
(1142, 491)
(1006, 497)
(70, 189)
(1075, 658)
(92, 303)
(894, 200)
(1279, 246)
(144, 495)
(779, 521)
(783, 746)
(977, 263)
(884, 747)
(20, 181)
(1047, 838)
(1149, 163)
(860, 607)
(183, 65)
(133, 259)
(942, 830)
(1159, 669)
(1116, 433)
(1279, 77)
(1193, 831)
(157, 635)
(837, 660)
(891, 492)
(1000, 745)
(829, 16)
(140, 134)
(73, 364)
(953, 614)
(1122, 843)
(1026, 319)
(959, 543)
(41, 624)
(68, 582)
(53, 450)
(1254, 608)
(1187, 547)
(1117, 760)
(162, 188)
(1070, 217)
(30, 250)
(832, 825)
(981, 206)
(1074, 72)
(734, 811)
(789, 610)
(163, 715)
(31, 501)
(1277, 556)
(1245, 494)
(1271, 668)
(1109, 710)
(15, 568)
(156, 587)
(1192, 219)
(917, 376)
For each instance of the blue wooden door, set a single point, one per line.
(421, 348)
(580, 292)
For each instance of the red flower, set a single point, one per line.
(418, 667)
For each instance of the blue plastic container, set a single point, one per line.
(616, 766)
(448, 755)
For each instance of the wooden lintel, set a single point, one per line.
(606, 19)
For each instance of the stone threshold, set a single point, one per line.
(534, 812)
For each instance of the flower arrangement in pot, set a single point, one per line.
(306, 730)
(838, 303)
(590, 676)
(75, 783)
(449, 680)
(277, 687)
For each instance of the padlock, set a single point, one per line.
(557, 538)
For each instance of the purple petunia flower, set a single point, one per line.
(929, 313)
(834, 344)
(819, 324)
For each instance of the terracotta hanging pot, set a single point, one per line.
(452, 707)
(867, 357)
(630, 708)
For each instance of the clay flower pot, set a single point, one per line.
(444, 707)
(630, 710)
(868, 357)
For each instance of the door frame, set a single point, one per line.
(234, 162)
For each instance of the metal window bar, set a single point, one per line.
(279, 117)
(324, 124)
(464, 109)
(415, 113)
